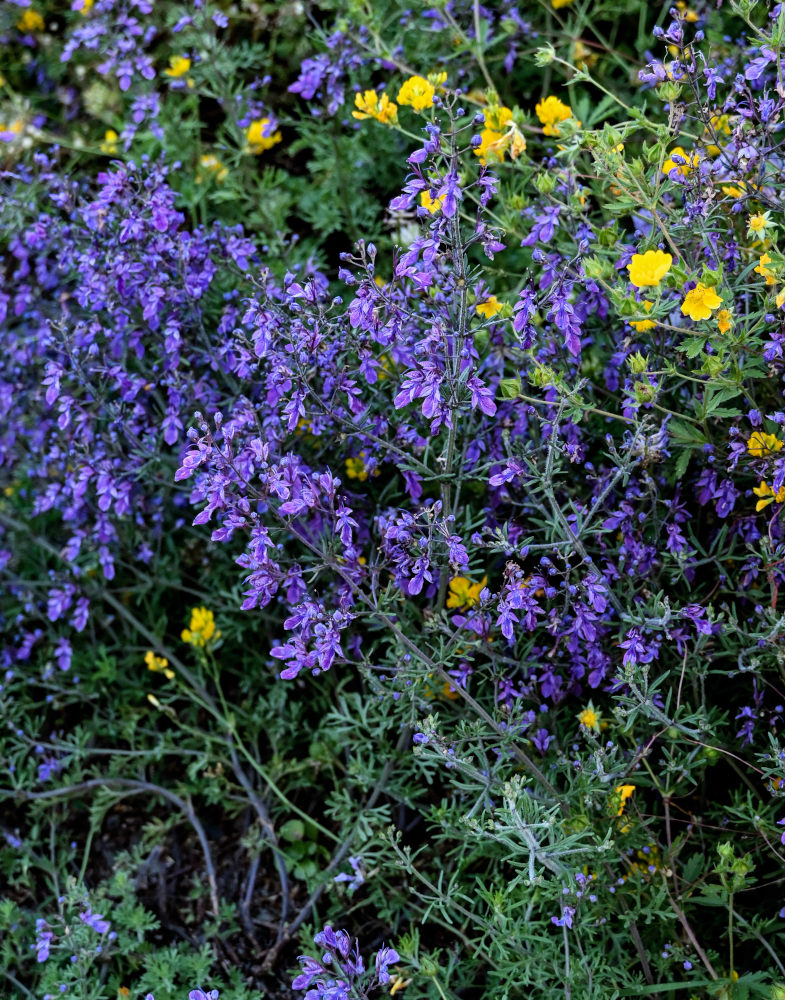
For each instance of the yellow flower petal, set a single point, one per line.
(700, 302)
(648, 269)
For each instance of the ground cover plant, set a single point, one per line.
(391, 435)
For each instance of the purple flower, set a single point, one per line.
(356, 879)
(565, 920)
(95, 920)
(385, 957)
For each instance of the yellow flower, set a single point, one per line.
(590, 718)
(30, 21)
(719, 125)
(432, 204)
(623, 792)
(556, 4)
(464, 593)
(699, 303)
(492, 142)
(761, 445)
(757, 223)
(202, 628)
(551, 113)
(583, 56)
(449, 692)
(16, 127)
(499, 132)
(260, 135)
(212, 165)
(641, 325)
(692, 160)
(768, 495)
(178, 66)
(398, 983)
(87, 6)
(356, 468)
(109, 145)
(689, 15)
(417, 93)
(158, 664)
(370, 106)
(498, 117)
(517, 142)
(724, 320)
(763, 270)
(648, 269)
(489, 307)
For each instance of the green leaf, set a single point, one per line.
(510, 388)
(292, 830)
(693, 346)
(681, 463)
(687, 434)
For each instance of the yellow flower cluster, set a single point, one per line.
(496, 135)
(433, 205)
(590, 718)
(370, 106)
(260, 136)
(211, 166)
(158, 664)
(758, 223)
(648, 269)
(417, 93)
(682, 169)
(551, 113)
(15, 127)
(463, 593)
(719, 125)
(767, 495)
(30, 21)
(178, 66)
(724, 320)
(700, 302)
(357, 469)
(620, 796)
(445, 691)
(109, 145)
(202, 628)
(763, 270)
(641, 325)
(489, 307)
(761, 445)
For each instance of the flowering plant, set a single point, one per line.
(447, 550)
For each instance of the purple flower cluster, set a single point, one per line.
(105, 334)
(116, 29)
(341, 972)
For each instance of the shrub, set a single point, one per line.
(451, 560)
